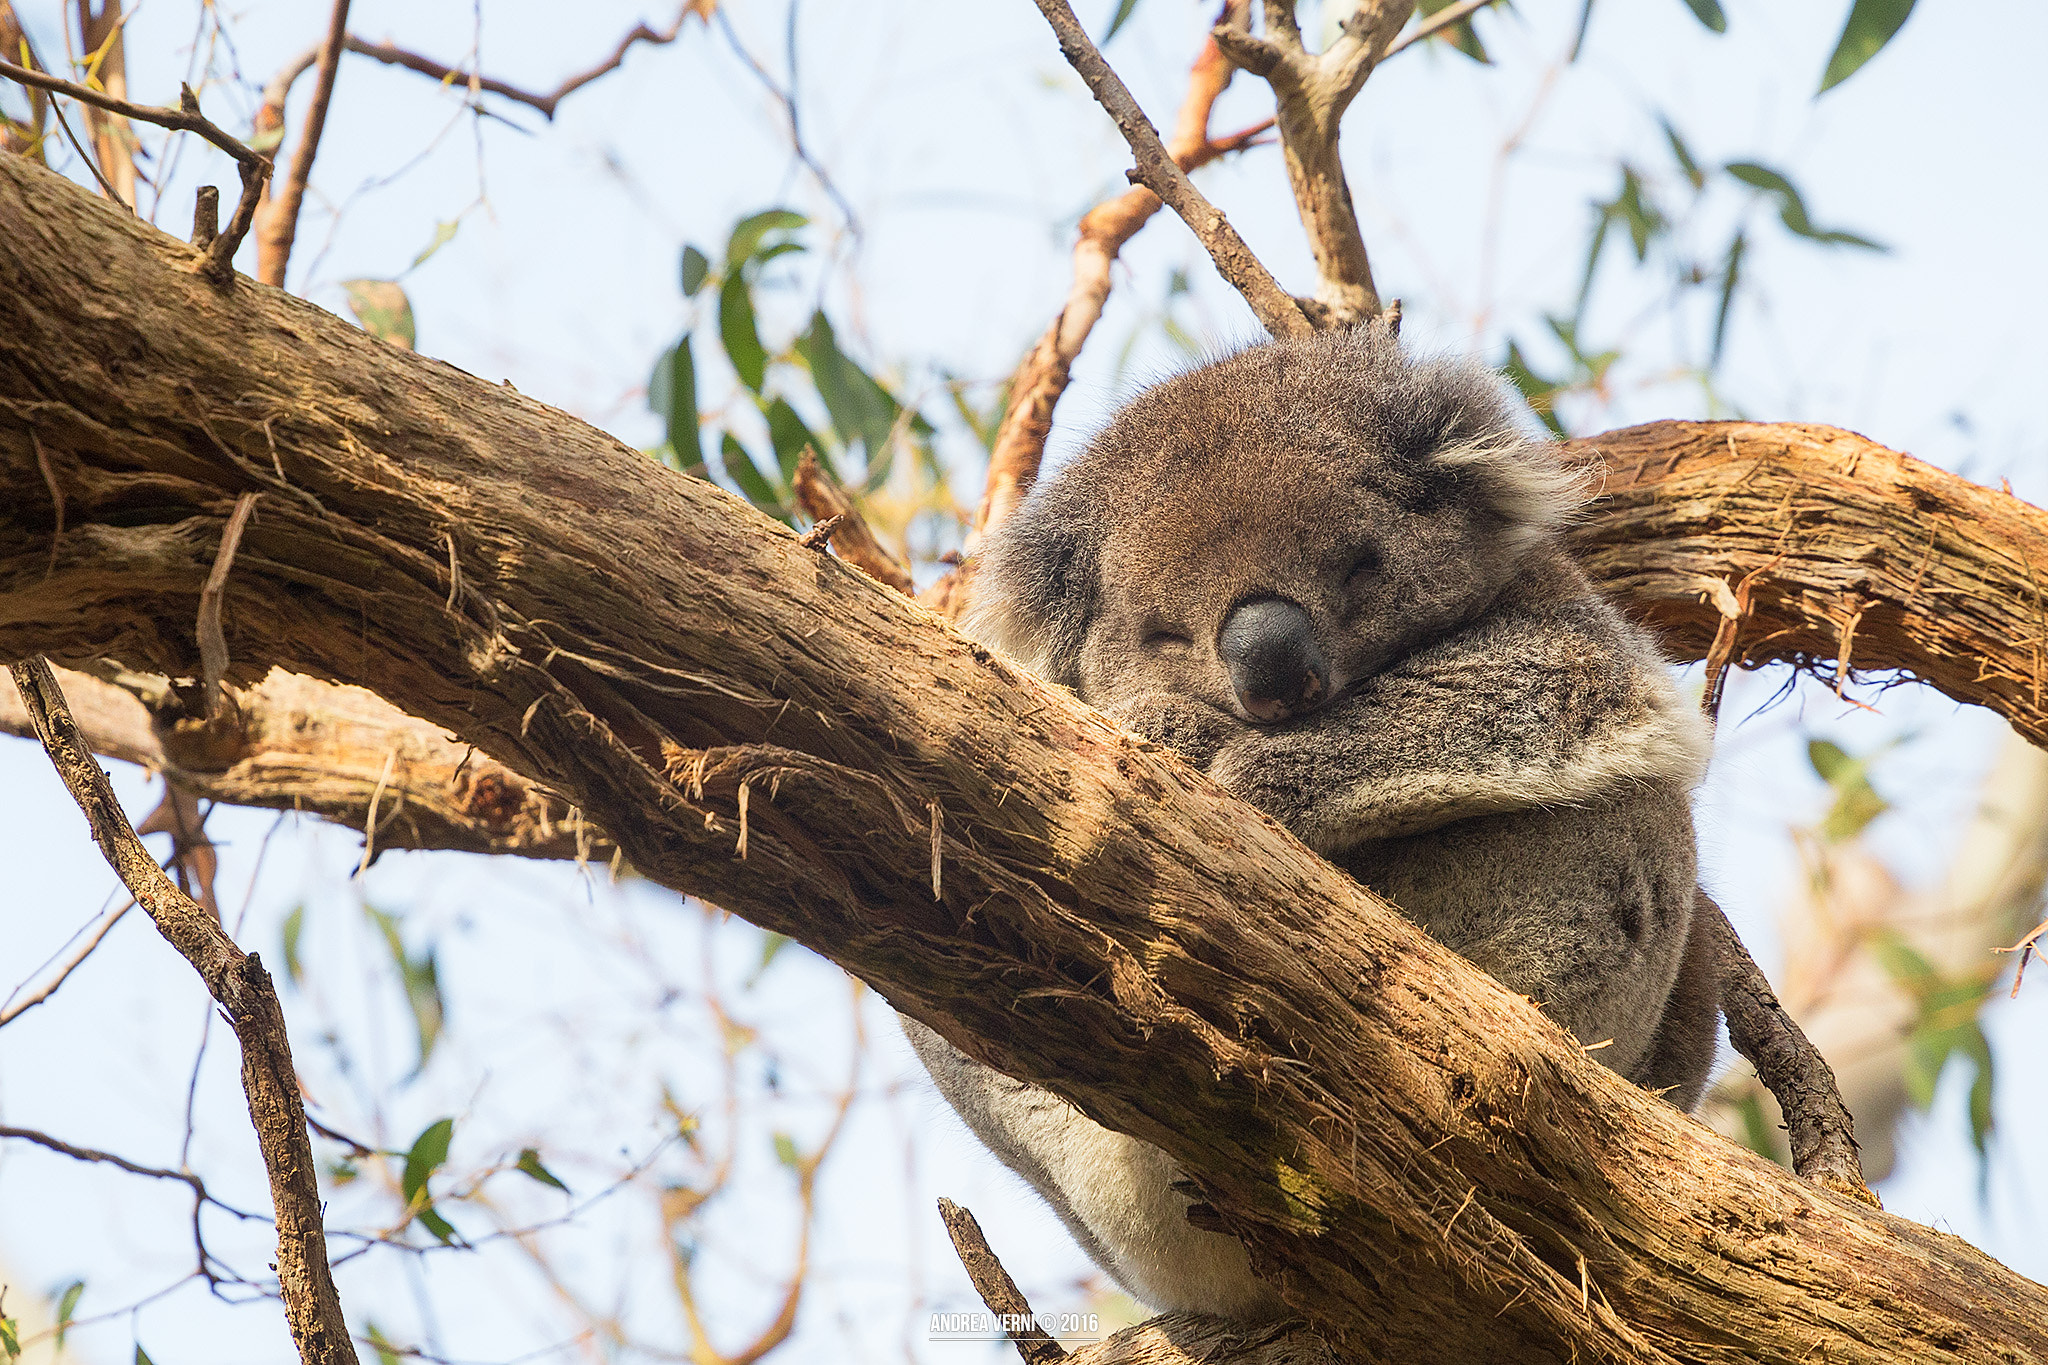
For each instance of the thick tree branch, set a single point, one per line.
(301, 745)
(237, 980)
(1423, 1164)
(1158, 172)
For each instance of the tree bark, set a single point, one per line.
(1429, 1169)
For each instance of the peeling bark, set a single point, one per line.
(1429, 1169)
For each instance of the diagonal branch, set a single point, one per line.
(1157, 171)
(1313, 91)
(280, 219)
(237, 980)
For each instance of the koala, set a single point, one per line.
(1329, 576)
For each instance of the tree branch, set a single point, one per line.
(1039, 382)
(1422, 1164)
(1158, 172)
(280, 226)
(216, 260)
(237, 980)
(1312, 91)
(997, 1290)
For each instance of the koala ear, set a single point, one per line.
(1034, 589)
(1528, 484)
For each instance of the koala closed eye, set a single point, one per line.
(1365, 568)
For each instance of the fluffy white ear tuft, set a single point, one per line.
(1527, 484)
(1001, 621)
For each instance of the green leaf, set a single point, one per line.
(443, 1230)
(696, 265)
(1459, 35)
(1124, 10)
(529, 1164)
(10, 1338)
(444, 233)
(790, 437)
(1978, 1049)
(672, 393)
(294, 927)
(746, 475)
(1871, 25)
(748, 234)
(786, 1152)
(429, 1151)
(772, 945)
(736, 328)
(421, 978)
(1792, 208)
(1683, 154)
(387, 1352)
(860, 408)
(67, 1303)
(1731, 271)
(383, 309)
(1709, 13)
(142, 1356)
(1856, 802)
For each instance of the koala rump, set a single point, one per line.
(1328, 575)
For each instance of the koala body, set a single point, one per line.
(1329, 576)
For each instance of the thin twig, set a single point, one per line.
(216, 264)
(237, 980)
(281, 219)
(1157, 171)
(213, 644)
(997, 1289)
(14, 1009)
(787, 99)
(77, 1153)
(1437, 23)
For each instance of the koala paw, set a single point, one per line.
(1192, 729)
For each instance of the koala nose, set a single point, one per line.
(1275, 667)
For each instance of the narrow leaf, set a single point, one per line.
(444, 233)
(1871, 25)
(1538, 392)
(860, 408)
(10, 1339)
(1124, 10)
(696, 265)
(1683, 154)
(66, 1305)
(383, 309)
(786, 1152)
(529, 1164)
(1709, 12)
(387, 1353)
(294, 927)
(746, 476)
(790, 437)
(1731, 271)
(142, 1356)
(736, 328)
(672, 393)
(748, 233)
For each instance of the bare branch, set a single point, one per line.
(100, 34)
(237, 980)
(996, 1288)
(1312, 91)
(1158, 172)
(280, 225)
(216, 262)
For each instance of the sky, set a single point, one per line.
(967, 152)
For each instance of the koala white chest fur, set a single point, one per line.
(1329, 576)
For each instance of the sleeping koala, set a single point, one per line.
(1329, 576)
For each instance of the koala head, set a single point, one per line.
(1265, 531)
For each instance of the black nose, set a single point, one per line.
(1275, 668)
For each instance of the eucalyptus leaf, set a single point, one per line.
(67, 1304)
(384, 310)
(1731, 270)
(444, 233)
(672, 393)
(790, 437)
(746, 476)
(1871, 24)
(1124, 10)
(1709, 12)
(737, 330)
(1792, 207)
(749, 232)
(529, 1164)
(696, 266)
(294, 928)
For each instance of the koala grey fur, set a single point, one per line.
(1329, 576)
